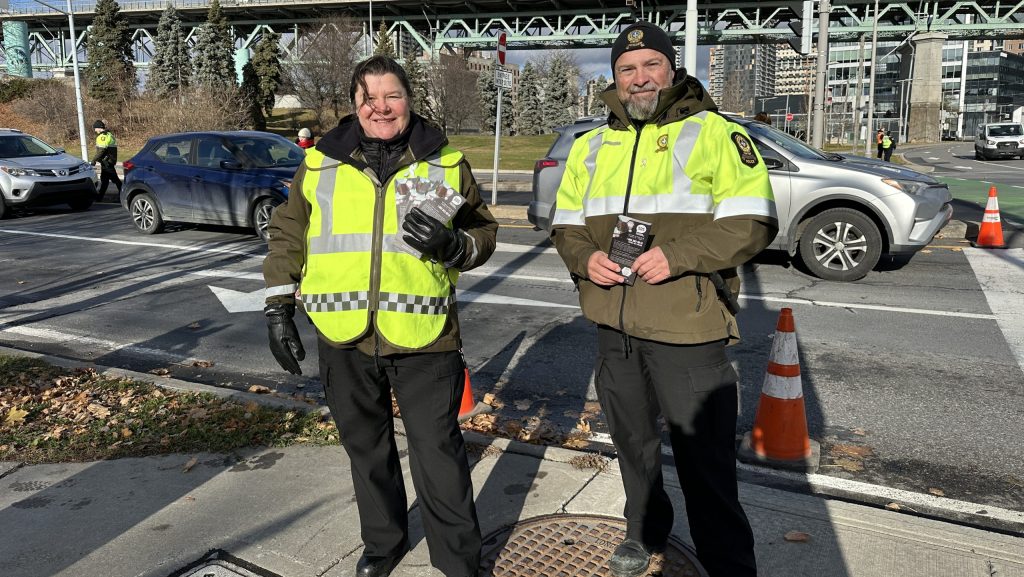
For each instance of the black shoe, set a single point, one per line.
(630, 559)
(374, 566)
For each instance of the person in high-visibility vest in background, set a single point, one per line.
(106, 155)
(380, 290)
(888, 144)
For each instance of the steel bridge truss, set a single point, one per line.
(576, 25)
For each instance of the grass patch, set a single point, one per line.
(50, 414)
(517, 152)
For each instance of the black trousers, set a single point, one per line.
(428, 387)
(888, 153)
(881, 150)
(694, 388)
(106, 177)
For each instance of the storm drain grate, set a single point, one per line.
(219, 563)
(572, 546)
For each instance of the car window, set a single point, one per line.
(211, 151)
(766, 133)
(174, 151)
(268, 151)
(1004, 130)
(23, 145)
(767, 151)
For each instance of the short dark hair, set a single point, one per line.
(377, 66)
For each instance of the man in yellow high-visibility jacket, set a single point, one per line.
(668, 163)
(106, 155)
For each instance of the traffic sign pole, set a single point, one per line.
(497, 151)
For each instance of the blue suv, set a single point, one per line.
(233, 178)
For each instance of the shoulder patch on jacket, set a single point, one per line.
(745, 149)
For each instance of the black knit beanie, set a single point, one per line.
(99, 124)
(644, 35)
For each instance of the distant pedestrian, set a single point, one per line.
(888, 145)
(879, 136)
(106, 155)
(305, 139)
(763, 117)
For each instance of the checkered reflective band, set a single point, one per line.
(335, 302)
(418, 304)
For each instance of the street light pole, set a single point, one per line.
(818, 132)
(869, 130)
(78, 81)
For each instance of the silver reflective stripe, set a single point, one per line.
(329, 244)
(335, 302)
(569, 217)
(684, 203)
(324, 198)
(745, 206)
(279, 290)
(418, 304)
(435, 171)
(681, 152)
(576, 217)
(471, 249)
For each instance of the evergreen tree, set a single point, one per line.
(266, 62)
(215, 50)
(598, 107)
(111, 74)
(529, 117)
(420, 82)
(171, 67)
(488, 99)
(560, 95)
(251, 96)
(384, 45)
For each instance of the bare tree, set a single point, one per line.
(321, 77)
(453, 87)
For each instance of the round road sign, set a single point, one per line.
(501, 48)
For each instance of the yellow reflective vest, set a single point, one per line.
(353, 265)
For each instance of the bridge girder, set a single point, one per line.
(475, 24)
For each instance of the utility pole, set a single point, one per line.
(690, 48)
(860, 90)
(822, 75)
(871, 85)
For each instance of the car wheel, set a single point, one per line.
(146, 214)
(261, 217)
(840, 244)
(81, 204)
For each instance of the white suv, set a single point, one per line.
(999, 140)
(33, 173)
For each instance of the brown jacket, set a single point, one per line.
(286, 259)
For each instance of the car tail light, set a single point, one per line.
(544, 163)
(128, 165)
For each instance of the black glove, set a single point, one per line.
(284, 338)
(431, 237)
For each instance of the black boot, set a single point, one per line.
(630, 559)
(378, 566)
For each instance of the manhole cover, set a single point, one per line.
(220, 563)
(572, 545)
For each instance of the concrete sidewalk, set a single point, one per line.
(290, 512)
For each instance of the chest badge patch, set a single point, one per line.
(746, 149)
(662, 143)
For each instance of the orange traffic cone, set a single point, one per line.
(468, 409)
(779, 437)
(991, 233)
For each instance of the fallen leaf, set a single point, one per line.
(851, 451)
(926, 251)
(126, 432)
(98, 411)
(851, 465)
(194, 326)
(161, 372)
(523, 404)
(188, 466)
(203, 364)
(15, 416)
(583, 425)
(797, 537)
(259, 389)
(893, 506)
(936, 491)
(860, 432)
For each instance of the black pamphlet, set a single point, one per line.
(629, 240)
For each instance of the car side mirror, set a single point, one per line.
(60, 150)
(773, 163)
(231, 165)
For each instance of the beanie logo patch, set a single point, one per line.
(635, 39)
(745, 149)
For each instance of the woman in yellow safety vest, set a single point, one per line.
(382, 217)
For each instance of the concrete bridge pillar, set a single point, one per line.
(925, 117)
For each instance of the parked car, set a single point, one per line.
(838, 213)
(33, 173)
(228, 178)
(999, 140)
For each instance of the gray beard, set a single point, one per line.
(641, 109)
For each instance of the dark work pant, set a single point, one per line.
(428, 387)
(888, 153)
(881, 150)
(694, 388)
(106, 177)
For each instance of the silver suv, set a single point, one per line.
(838, 213)
(33, 173)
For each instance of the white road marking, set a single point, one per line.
(964, 168)
(524, 249)
(493, 272)
(102, 346)
(185, 248)
(884, 308)
(934, 158)
(227, 273)
(1001, 276)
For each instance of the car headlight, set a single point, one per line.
(17, 171)
(908, 186)
(990, 142)
(84, 166)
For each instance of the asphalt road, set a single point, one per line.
(910, 363)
